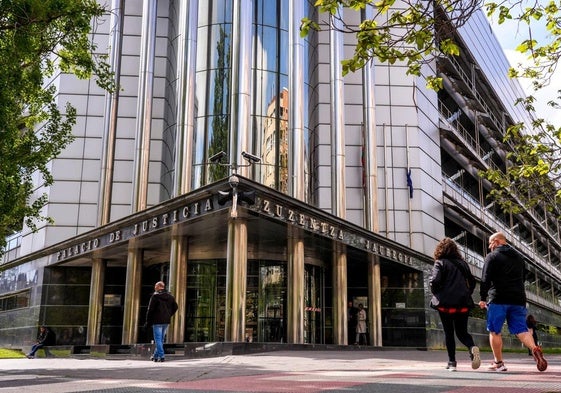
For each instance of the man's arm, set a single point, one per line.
(485, 282)
(150, 312)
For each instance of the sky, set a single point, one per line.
(510, 35)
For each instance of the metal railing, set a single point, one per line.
(467, 202)
(473, 90)
(463, 135)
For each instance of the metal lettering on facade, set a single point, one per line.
(140, 228)
(313, 224)
(387, 252)
(264, 206)
(77, 249)
(303, 220)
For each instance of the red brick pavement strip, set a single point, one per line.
(271, 383)
(519, 380)
(501, 390)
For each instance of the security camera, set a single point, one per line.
(234, 181)
(251, 158)
(215, 158)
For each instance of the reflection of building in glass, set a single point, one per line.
(360, 177)
(275, 142)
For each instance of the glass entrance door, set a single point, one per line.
(313, 300)
(272, 302)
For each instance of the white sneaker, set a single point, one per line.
(497, 366)
(451, 366)
(475, 357)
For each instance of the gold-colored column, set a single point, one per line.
(297, 103)
(236, 281)
(141, 164)
(178, 286)
(375, 304)
(295, 284)
(96, 301)
(132, 295)
(340, 329)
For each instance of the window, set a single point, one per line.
(15, 301)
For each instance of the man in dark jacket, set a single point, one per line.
(503, 294)
(45, 337)
(161, 307)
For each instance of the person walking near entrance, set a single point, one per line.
(452, 285)
(161, 308)
(361, 326)
(503, 294)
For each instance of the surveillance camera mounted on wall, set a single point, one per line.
(215, 158)
(250, 158)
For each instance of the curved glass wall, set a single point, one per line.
(212, 91)
(270, 95)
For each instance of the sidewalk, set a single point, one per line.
(391, 371)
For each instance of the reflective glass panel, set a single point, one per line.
(212, 91)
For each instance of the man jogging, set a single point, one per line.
(502, 292)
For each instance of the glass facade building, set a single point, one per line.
(239, 166)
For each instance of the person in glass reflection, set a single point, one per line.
(452, 285)
(161, 308)
(351, 322)
(45, 337)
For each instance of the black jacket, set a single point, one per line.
(47, 337)
(502, 280)
(160, 309)
(451, 286)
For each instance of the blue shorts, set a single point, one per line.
(515, 317)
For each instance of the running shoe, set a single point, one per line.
(451, 366)
(541, 363)
(475, 357)
(497, 366)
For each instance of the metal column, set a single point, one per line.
(295, 284)
(107, 160)
(240, 101)
(132, 294)
(186, 58)
(236, 280)
(340, 328)
(144, 108)
(375, 304)
(338, 186)
(186, 67)
(370, 193)
(96, 301)
(296, 163)
(110, 115)
(178, 285)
